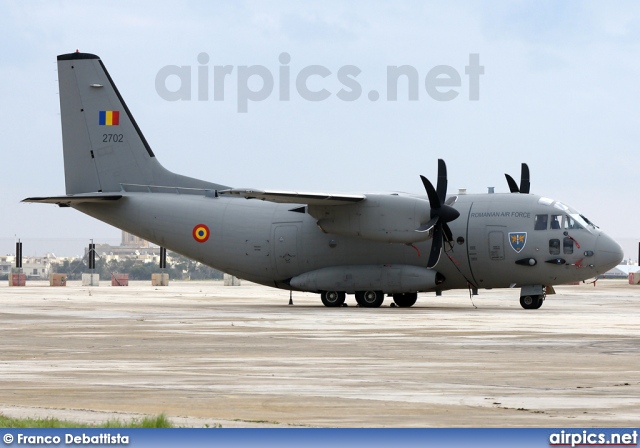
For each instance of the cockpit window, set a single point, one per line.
(567, 218)
(588, 222)
(541, 222)
(573, 222)
(579, 220)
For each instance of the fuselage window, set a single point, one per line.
(567, 245)
(554, 247)
(541, 222)
(555, 222)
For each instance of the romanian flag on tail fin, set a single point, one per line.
(109, 118)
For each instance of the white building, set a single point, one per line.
(36, 268)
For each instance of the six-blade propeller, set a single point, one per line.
(441, 213)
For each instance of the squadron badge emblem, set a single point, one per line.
(517, 240)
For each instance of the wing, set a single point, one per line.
(293, 197)
(383, 217)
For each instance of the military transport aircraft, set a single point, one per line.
(370, 245)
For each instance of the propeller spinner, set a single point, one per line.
(441, 213)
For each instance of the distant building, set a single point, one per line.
(621, 271)
(36, 268)
(6, 263)
(129, 240)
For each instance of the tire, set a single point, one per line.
(538, 303)
(332, 298)
(405, 300)
(369, 299)
(531, 302)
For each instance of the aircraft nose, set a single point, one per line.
(609, 254)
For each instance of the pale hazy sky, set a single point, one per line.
(560, 91)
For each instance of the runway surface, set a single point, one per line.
(240, 356)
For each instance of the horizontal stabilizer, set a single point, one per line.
(67, 201)
(292, 197)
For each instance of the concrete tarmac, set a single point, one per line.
(240, 356)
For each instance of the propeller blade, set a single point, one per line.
(452, 200)
(441, 187)
(434, 199)
(426, 227)
(436, 246)
(513, 186)
(525, 184)
(447, 233)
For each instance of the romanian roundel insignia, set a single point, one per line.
(201, 233)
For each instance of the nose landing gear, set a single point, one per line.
(532, 296)
(531, 302)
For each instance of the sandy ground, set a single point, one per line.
(206, 354)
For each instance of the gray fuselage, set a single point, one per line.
(268, 243)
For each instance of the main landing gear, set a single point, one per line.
(332, 298)
(405, 300)
(368, 299)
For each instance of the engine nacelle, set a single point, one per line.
(387, 218)
(386, 278)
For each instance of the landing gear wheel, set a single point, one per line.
(369, 299)
(332, 298)
(405, 300)
(531, 302)
(539, 302)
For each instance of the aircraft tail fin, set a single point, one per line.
(102, 143)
